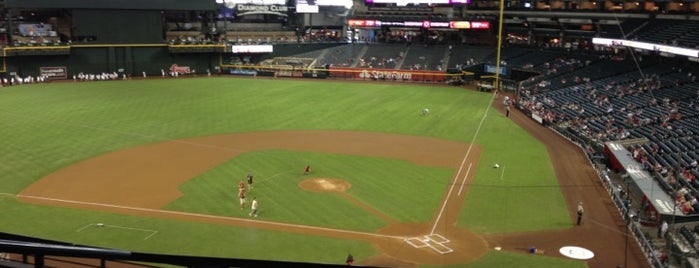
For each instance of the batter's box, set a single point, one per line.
(416, 242)
(437, 238)
(440, 248)
(434, 241)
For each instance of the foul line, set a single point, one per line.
(275, 175)
(204, 216)
(468, 152)
(152, 232)
(463, 182)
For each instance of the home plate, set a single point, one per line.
(436, 242)
(577, 253)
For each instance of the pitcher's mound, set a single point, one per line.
(325, 185)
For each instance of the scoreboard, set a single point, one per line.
(115, 4)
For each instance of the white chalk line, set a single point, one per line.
(463, 182)
(468, 153)
(428, 240)
(275, 175)
(203, 216)
(151, 232)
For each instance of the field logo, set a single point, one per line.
(180, 69)
(54, 73)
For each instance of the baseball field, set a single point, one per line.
(153, 166)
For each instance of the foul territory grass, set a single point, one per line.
(514, 260)
(522, 194)
(49, 126)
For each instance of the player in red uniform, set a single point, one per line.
(242, 198)
(241, 186)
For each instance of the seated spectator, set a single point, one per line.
(693, 201)
(657, 167)
(687, 175)
(661, 255)
(672, 180)
(686, 207)
(663, 171)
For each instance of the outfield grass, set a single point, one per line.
(49, 126)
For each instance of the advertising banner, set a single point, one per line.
(306, 6)
(387, 74)
(35, 29)
(180, 69)
(288, 73)
(54, 73)
(243, 72)
(252, 48)
(361, 23)
(294, 74)
(492, 69)
(243, 9)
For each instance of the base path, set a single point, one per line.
(124, 181)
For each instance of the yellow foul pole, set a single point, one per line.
(497, 63)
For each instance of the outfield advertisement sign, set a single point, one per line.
(455, 24)
(252, 48)
(293, 73)
(174, 68)
(243, 72)
(54, 73)
(288, 73)
(387, 74)
(35, 29)
(491, 69)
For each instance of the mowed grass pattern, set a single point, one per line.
(49, 126)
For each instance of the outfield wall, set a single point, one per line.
(132, 60)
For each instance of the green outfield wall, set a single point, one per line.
(132, 60)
